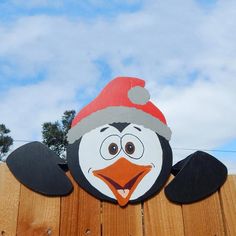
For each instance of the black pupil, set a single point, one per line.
(113, 148)
(129, 148)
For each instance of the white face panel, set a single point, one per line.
(104, 145)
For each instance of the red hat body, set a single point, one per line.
(122, 92)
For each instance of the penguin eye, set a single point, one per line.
(129, 148)
(132, 146)
(113, 148)
(110, 147)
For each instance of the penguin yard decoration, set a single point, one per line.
(119, 152)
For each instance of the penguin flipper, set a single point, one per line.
(197, 176)
(34, 165)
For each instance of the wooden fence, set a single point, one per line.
(25, 213)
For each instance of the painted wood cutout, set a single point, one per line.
(119, 152)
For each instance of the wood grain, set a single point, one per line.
(69, 212)
(204, 217)
(9, 201)
(161, 217)
(228, 201)
(38, 215)
(121, 221)
(25, 213)
(80, 213)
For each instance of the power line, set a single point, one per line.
(174, 148)
(206, 150)
(24, 141)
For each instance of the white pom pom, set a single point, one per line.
(138, 95)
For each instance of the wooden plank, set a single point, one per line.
(121, 221)
(161, 217)
(69, 212)
(9, 201)
(80, 213)
(38, 215)
(228, 201)
(204, 217)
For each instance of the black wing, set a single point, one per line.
(34, 165)
(197, 176)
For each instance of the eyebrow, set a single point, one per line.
(137, 128)
(103, 129)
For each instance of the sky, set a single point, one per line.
(57, 55)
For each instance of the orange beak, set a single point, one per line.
(122, 177)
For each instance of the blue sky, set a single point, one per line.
(58, 55)
(71, 8)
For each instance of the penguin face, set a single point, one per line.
(121, 161)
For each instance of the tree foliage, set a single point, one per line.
(55, 133)
(5, 141)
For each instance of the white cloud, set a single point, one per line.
(162, 44)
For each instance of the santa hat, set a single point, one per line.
(124, 99)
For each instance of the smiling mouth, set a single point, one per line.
(122, 178)
(122, 190)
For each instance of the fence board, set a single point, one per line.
(9, 201)
(204, 217)
(161, 217)
(69, 212)
(120, 221)
(38, 215)
(80, 213)
(228, 200)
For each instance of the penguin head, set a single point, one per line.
(119, 149)
(122, 162)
